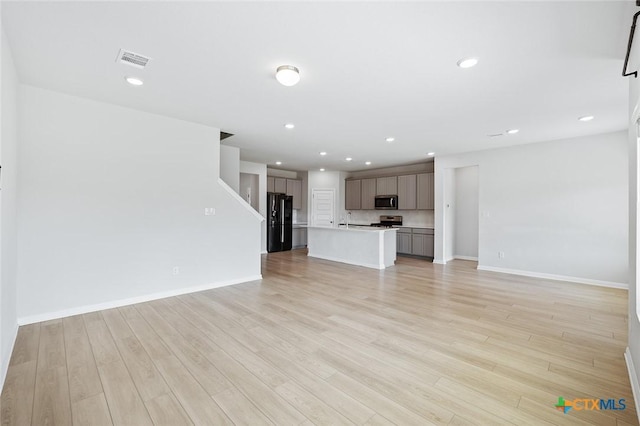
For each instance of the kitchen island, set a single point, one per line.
(356, 245)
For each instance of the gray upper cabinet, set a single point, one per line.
(352, 195)
(425, 197)
(294, 188)
(368, 192)
(271, 184)
(280, 185)
(387, 185)
(407, 192)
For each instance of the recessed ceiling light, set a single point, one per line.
(322, 170)
(468, 62)
(288, 75)
(431, 154)
(278, 163)
(323, 153)
(390, 139)
(289, 125)
(368, 163)
(586, 118)
(134, 81)
(513, 131)
(348, 159)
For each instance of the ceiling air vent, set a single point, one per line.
(133, 59)
(495, 135)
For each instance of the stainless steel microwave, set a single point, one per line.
(386, 202)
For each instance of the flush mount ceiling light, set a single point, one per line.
(288, 75)
(289, 125)
(134, 81)
(390, 139)
(586, 118)
(512, 131)
(468, 62)
(431, 154)
(278, 163)
(323, 153)
(368, 163)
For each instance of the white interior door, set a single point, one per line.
(322, 207)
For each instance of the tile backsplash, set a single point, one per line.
(417, 218)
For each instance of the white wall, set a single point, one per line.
(633, 349)
(8, 189)
(557, 208)
(249, 189)
(261, 171)
(449, 214)
(466, 213)
(230, 166)
(111, 199)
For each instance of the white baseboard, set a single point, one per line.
(461, 257)
(578, 280)
(439, 262)
(131, 301)
(333, 259)
(7, 357)
(633, 377)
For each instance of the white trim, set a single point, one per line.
(461, 257)
(333, 259)
(6, 358)
(242, 201)
(439, 262)
(633, 377)
(448, 259)
(578, 280)
(263, 252)
(131, 301)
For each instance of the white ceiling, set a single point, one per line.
(368, 71)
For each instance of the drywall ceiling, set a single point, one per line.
(368, 71)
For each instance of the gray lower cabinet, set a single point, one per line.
(415, 241)
(299, 238)
(403, 241)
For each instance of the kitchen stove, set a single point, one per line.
(388, 222)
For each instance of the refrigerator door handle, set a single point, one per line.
(282, 220)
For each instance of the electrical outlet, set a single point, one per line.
(500, 255)
(176, 270)
(209, 211)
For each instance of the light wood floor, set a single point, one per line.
(317, 342)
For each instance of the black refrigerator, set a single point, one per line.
(279, 222)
